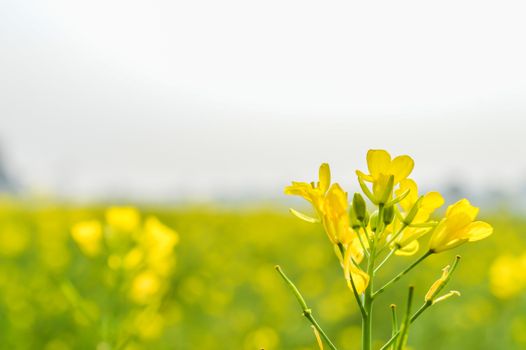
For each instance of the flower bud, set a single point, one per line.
(412, 213)
(374, 221)
(389, 213)
(355, 223)
(358, 204)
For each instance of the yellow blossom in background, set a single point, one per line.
(459, 226)
(88, 235)
(159, 241)
(133, 258)
(144, 287)
(138, 266)
(13, 241)
(507, 276)
(123, 218)
(381, 168)
(149, 324)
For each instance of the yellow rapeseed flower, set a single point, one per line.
(313, 192)
(330, 203)
(336, 215)
(381, 168)
(88, 235)
(407, 243)
(159, 241)
(123, 218)
(507, 277)
(459, 226)
(350, 270)
(144, 287)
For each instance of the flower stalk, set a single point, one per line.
(307, 312)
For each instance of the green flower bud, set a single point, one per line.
(412, 213)
(374, 221)
(389, 214)
(355, 223)
(358, 204)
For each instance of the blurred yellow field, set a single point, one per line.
(221, 290)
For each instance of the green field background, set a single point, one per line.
(225, 294)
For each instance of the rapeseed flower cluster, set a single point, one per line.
(364, 240)
(140, 261)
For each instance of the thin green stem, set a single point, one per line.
(423, 308)
(401, 274)
(427, 304)
(384, 261)
(395, 236)
(413, 319)
(307, 312)
(366, 252)
(394, 320)
(367, 321)
(369, 239)
(404, 331)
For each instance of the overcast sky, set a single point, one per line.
(206, 98)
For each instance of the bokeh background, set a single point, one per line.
(189, 118)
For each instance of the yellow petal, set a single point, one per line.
(401, 167)
(409, 249)
(359, 277)
(364, 177)
(408, 202)
(303, 217)
(438, 283)
(438, 238)
(301, 189)
(378, 161)
(432, 201)
(337, 199)
(325, 177)
(463, 206)
(478, 230)
(458, 222)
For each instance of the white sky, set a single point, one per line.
(204, 98)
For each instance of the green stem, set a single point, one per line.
(395, 236)
(307, 312)
(367, 320)
(404, 331)
(427, 304)
(366, 252)
(394, 321)
(413, 319)
(401, 274)
(384, 261)
(422, 309)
